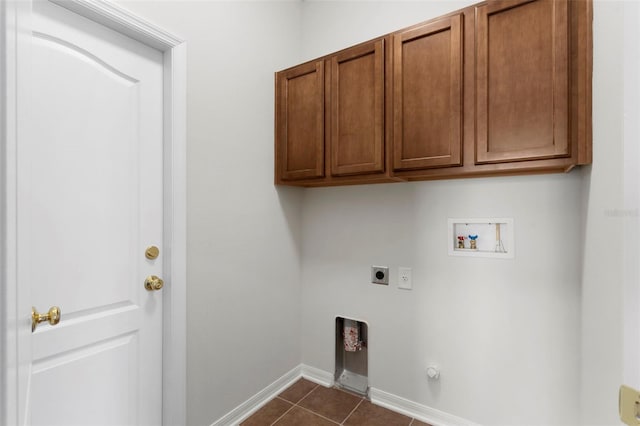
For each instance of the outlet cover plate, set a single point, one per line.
(404, 278)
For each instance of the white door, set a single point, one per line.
(89, 204)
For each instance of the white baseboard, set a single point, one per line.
(415, 410)
(316, 375)
(324, 378)
(253, 404)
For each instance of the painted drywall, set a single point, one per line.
(606, 218)
(505, 333)
(329, 26)
(515, 339)
(243, 233)
(631, 294)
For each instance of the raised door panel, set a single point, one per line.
(357, 110)
(427, 95)
(522, 81)
(300, 122)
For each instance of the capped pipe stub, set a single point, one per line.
(433, 372)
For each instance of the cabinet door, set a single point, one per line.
(300, 122)
(427, 95)
(522, 80)
(357, 110)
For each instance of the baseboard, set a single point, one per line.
(413, 409)
(253, 404)
(316, 375)
(324, 378)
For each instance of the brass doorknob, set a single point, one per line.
(53, 316)
(153, 283)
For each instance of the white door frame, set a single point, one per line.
(15, 35)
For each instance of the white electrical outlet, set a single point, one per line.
(404, 278)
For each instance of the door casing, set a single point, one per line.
(15, 39)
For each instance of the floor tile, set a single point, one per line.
(268, 414)
(298, 390)
(331, 403)
(297, 417)
(419, 423)
(368, 414)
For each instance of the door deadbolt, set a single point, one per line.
(152, 252)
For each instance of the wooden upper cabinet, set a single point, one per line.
(300, 122)
(427, 95)
(501, 87)
(357, 109)
(522, 80)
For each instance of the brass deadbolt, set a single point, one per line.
(152, 252)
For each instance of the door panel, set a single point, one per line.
(89, 202)
(427, 96)
(75, 211)
(357, 110)
(300, 122)
(93, 373)
(522, 80)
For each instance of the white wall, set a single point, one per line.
(516, 339)
(506, 333)
(329, 25)
(605, 215)
(243, 233)
(631, 292)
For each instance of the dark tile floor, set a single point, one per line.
(307, 404)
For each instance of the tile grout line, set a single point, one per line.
(412, 421)
(313, 412)
(352, 411)
(319, 415)
(308, 393)
(285, 413)
(295, 404)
